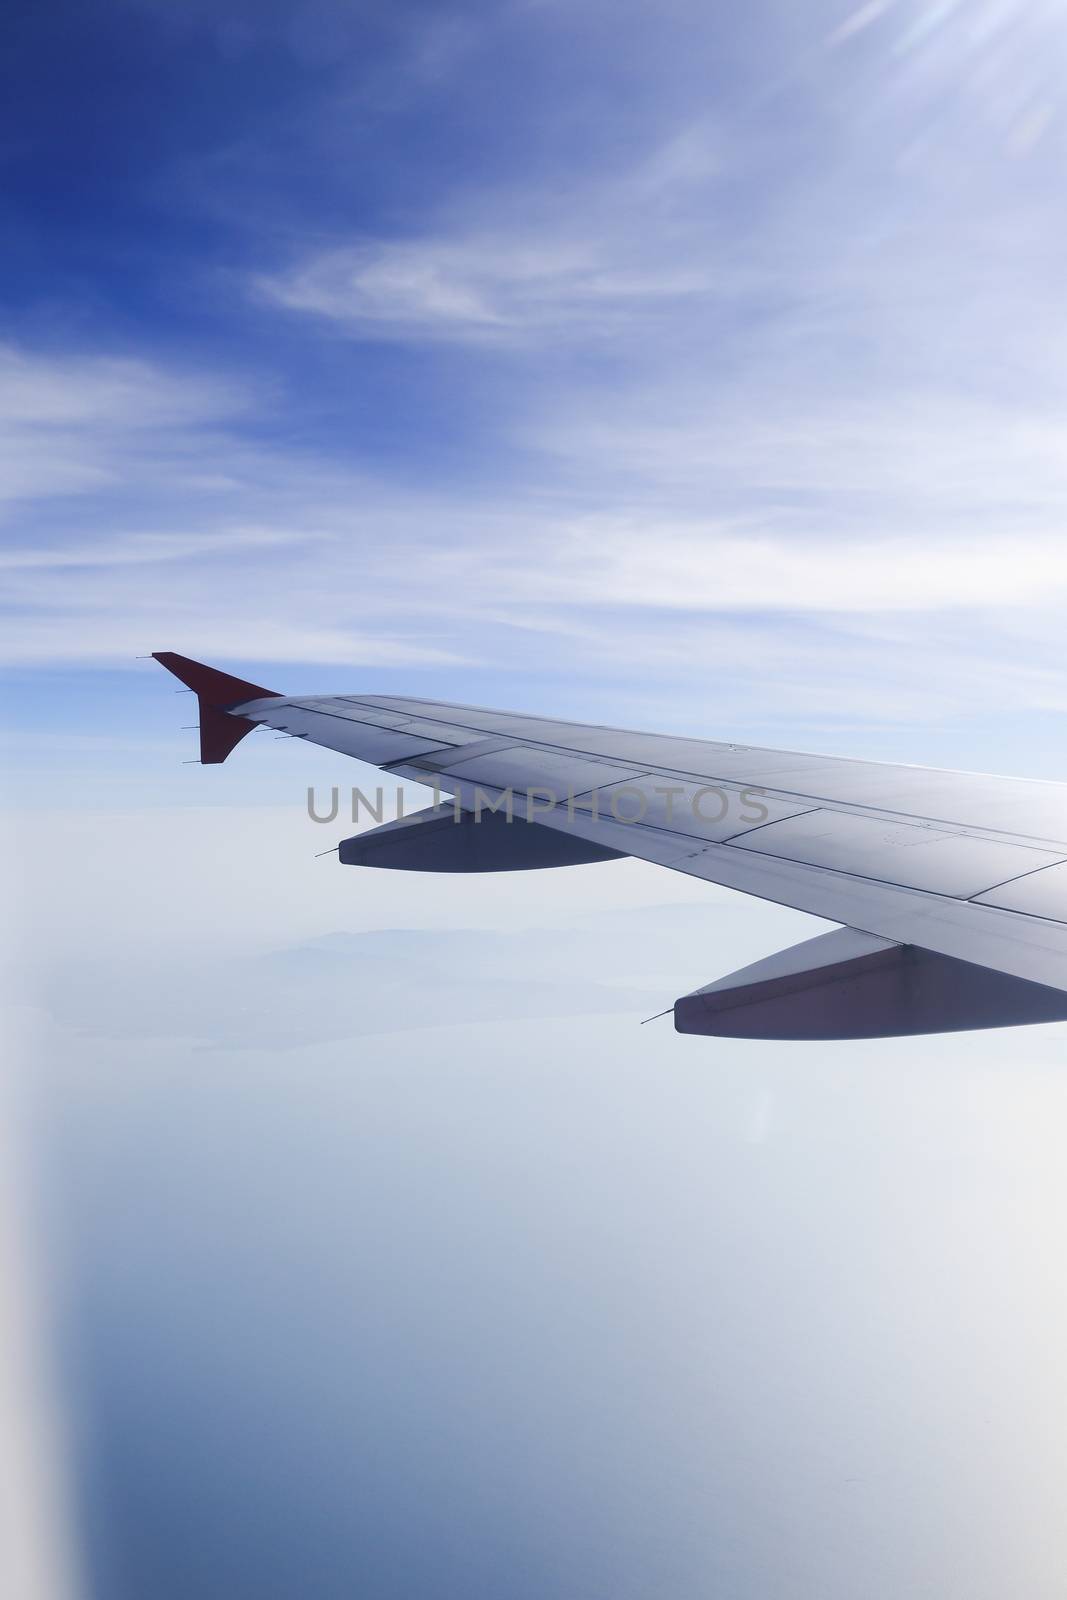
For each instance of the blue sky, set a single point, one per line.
(683, 365)
(686, 366)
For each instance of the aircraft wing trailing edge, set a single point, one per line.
(949, 888)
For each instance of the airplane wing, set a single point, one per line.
(950, 888)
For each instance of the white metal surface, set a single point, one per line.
(916, 856)
(870, 859)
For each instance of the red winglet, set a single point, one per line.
(220, 729)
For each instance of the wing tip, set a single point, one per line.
(220, 728)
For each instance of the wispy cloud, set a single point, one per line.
(863, 17)
(108, 391)
(585, 258)
(609, 559)
(479, 289)
(678, 566)
(75, 424)
(145, 548)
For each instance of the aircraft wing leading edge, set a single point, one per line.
(950, 888)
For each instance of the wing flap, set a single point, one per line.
(913, 855)
(1038, 894)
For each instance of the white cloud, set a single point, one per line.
(137, 549)
(952, 512)
(107, 391)
(583, 256)
(713, 570)
(478, 289)
(55, 640)
(74, 424)
(857, 21)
